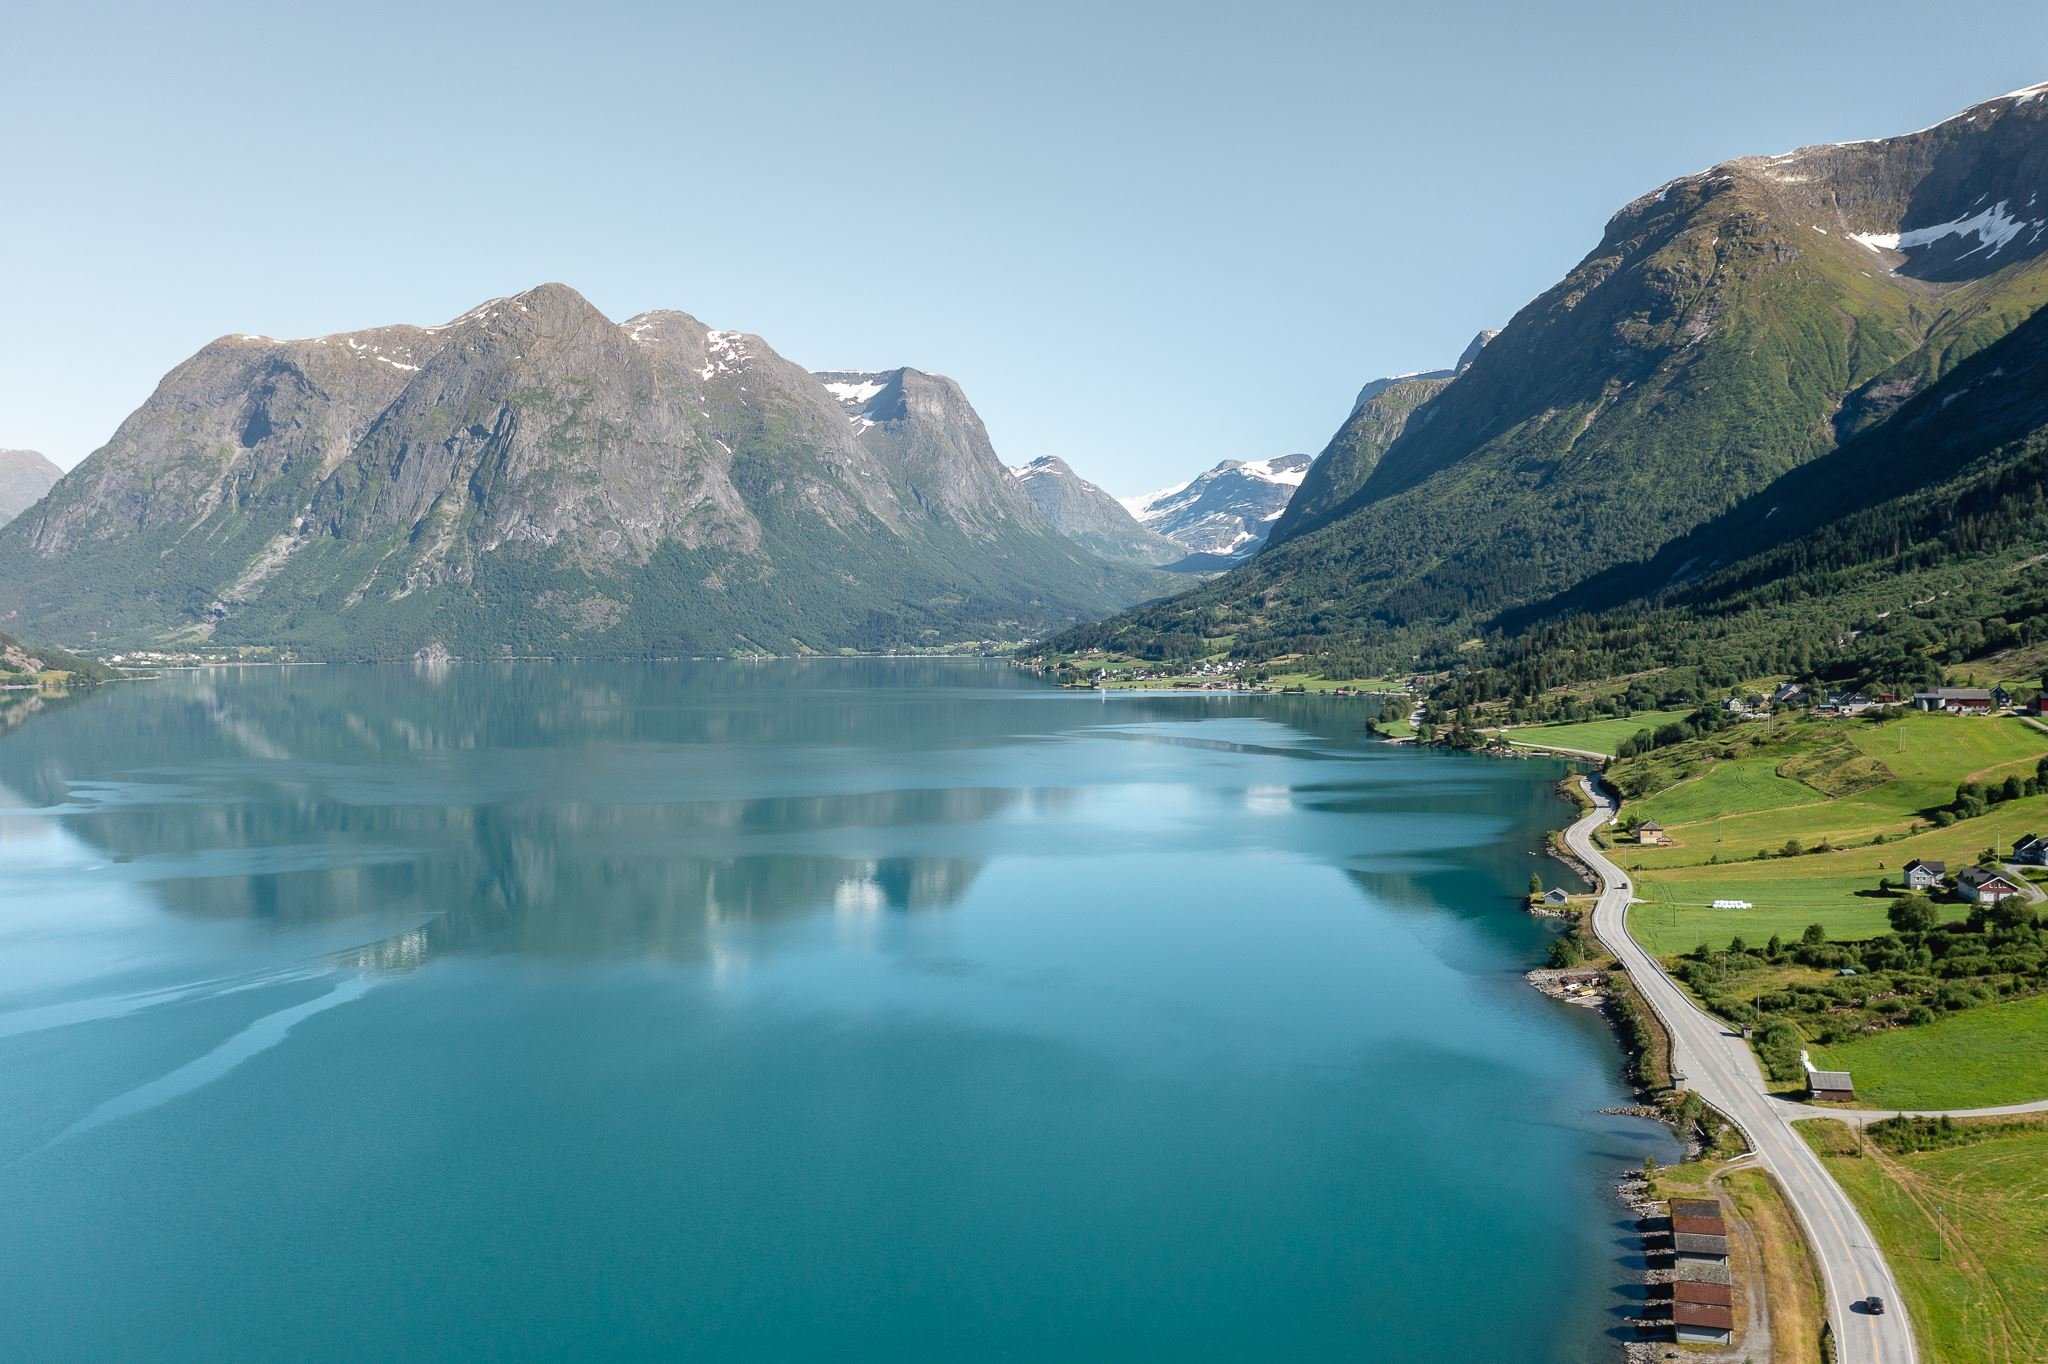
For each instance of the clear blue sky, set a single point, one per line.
(1144, 237)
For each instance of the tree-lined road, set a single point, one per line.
(1722, 1068)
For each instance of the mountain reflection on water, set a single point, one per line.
(531, 808)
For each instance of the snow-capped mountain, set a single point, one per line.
(1226, 510)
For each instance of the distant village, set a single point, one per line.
(1950, 700)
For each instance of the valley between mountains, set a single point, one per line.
(1750, 507)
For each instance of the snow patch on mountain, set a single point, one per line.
(724, 353)
(1993, 227)
(855, 394)
(1225, 510)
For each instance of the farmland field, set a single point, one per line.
(1981, 1058)
(1593, 736)
(1966, 1231)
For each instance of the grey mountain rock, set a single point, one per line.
(25, 475)
(534, 478)
(1084, 513)
(1381, 412)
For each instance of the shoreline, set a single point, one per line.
(1607, 988)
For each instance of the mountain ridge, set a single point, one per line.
(1729, 327)
(1085, 513)
(532, 477)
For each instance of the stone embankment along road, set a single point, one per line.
(1721, 1067)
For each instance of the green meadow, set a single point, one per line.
(1726, 798)
(1968, 1060)
(1591, 736)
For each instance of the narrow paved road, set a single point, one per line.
(1721, 1067)
(1861, 1117)
(1533, 747)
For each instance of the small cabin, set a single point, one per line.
(1555, 897)
(1651, 833)
(1699, 1323)
(1830, 1086)
(1702, 1313)
(1700, 1245)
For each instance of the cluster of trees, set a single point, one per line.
(1925, 968)
(1974, 798)
(1699, 723)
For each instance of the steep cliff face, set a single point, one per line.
(1379, 415)
(532, 477)
(25, 475)
(922, 428)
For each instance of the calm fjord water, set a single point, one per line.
(850, 1010)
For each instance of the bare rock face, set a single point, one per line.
(25, 476)
(1091, 517)
(922, 428)
(532, 477)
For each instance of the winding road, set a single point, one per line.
(1720, 1065)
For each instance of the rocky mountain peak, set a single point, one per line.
(1225, 510)
(1087, 515)
(533, 475)
(1471, 351)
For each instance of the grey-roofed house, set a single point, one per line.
(2032, 850)
(1923, 875)
(1957, 700)
(1555, 896)
(1703, 1271)
(1830, 1086)
(1691, 1245)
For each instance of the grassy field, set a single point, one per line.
(1731, 808)
(1965, 1230)
(1980, 1058)
(1729, 796)
(1739, 787)
(1675, 915)
(1721, 812)
(1592, 736)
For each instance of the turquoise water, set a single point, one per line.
(851, 1010)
